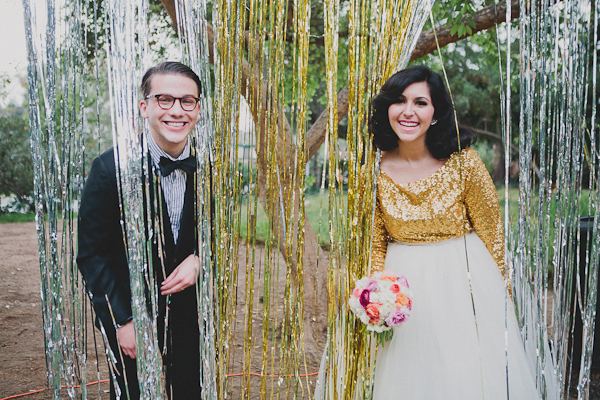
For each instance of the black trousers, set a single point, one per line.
(132, 390)
(182, 358)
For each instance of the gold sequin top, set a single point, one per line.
(431, 209)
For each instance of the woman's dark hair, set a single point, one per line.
(441, 140)
(169, 68)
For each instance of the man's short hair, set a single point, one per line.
(169, 68)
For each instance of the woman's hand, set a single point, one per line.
(182, 277)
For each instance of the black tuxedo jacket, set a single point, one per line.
(102, 256)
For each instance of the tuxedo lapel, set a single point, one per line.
(186, 242)
(163, 236)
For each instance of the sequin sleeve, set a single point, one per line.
(380, 240)
(483, 208)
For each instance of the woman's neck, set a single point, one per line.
(411, 152)
(409, 163)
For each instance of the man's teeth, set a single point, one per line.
(176, 124)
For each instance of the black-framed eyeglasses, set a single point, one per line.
(166, 101)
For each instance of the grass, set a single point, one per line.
(17, 217)
(513, 207)
(315, 208)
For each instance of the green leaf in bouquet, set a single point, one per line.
(384, 337)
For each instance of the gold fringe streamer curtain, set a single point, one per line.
(263, 57)
(258, 45)
(382, 35)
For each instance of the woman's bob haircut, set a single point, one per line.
(441, 139)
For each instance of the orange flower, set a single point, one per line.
(373, 310)
(388, 276)
(401, 300)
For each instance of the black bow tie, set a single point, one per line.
(187, 165)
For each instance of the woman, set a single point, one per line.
(438, 222)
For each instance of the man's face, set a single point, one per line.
(170, 128)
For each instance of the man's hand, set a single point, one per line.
(182, 277)
(126, 337)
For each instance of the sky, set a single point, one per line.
(13, 54)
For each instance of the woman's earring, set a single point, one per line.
(433, 121)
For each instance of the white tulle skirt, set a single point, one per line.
(446, 350)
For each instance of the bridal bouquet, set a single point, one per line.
(382, 301)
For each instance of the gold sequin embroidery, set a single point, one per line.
(432, 209)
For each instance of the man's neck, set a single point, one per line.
(157, 151)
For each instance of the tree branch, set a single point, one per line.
(486, 18)
(492, 135)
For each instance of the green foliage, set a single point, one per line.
(487, 154)
(4, 82)
(458, 15)
(16, 167)
(384, 337)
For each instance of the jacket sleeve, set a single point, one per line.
(101, 254)
(483, 208)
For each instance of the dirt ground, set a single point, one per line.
(22, 354)
(22, 350)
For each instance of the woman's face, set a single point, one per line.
(411, 116)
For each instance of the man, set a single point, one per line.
(171, 93)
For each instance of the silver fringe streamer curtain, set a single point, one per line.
(61, 65)
(194, 32)
(126, 53)
(56, 103)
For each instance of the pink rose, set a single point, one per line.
(402, 281)
(364, 298)
(395, 288)
(396, 317)
(371, 285)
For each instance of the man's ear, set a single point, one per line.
(143, 110)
